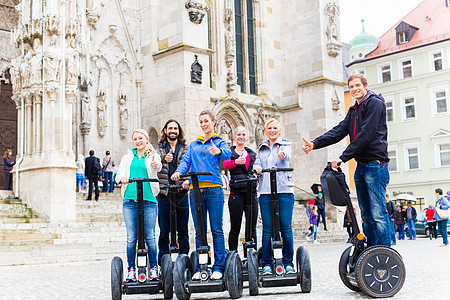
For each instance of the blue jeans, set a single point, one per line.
(392, 228)
(130, 216)
(212, 200)
(401, 231)
(285, 206)
(314, 230)
(411, 229)
(371, 180)
(109, 184)
(182, 219)
(443, 230)
(321, 213)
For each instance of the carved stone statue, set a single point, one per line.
(85, 109)
(36, 63)
(333, 44)
(259, 133)
(224, 130)
(101, 114)
(52, 61)
(196, 71)
(25, 67)
(72, 63)
(15, 75)
(123, 112)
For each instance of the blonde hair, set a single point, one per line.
(270, 121)
(150, 148)
(239, 129)
(7, 153)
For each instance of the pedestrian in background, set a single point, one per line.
(320, 203)
(399, 217)
(432, 226)
(391, 210)
(348, 223)
(313, 221)
(411, 216)
(107, 170)
(91, 170)
(8, 166)
(441, 203)
(81, 179)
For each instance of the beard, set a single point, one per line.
(172, 137)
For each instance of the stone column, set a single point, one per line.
(38, 123)
(28, 124)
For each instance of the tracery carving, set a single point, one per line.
(230, 52)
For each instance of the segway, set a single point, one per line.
(168, 260)
(143, 285)
(378, 271)
(250, 266)
(280, 278)
(184, 268)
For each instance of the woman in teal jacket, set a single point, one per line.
(442, 203)
(204, 155)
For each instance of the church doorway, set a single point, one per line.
(8, 124)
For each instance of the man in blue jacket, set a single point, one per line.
(365, 123)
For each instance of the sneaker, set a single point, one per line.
(289, 269)
(216, 275)
(131, 274)
(316, 242)
(154, 274)
(308, 238)
(196, 276)
(443, 245)
(267, 270)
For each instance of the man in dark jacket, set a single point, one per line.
(391, 211)
(171, 148)
(91, 169)
(411, 217)
(320, 202)
(365, 123)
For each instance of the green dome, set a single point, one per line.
(364, 39)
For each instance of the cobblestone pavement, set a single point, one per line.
(425, 262)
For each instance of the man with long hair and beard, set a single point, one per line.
(171, 148)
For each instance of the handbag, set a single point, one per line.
(443, 213)
(104, 168)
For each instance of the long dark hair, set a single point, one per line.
(164, 137)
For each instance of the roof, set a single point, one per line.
(431, 17)
(363, 39)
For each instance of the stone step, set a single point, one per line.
(28, 236)
(26, 242)
(17, 220)
(6, 194)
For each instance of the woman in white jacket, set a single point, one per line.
(141, 161)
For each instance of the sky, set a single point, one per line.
(379, 15)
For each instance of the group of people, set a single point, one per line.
(314, 210)
(91, 169)
(172, 158)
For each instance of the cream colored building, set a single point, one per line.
(86, 73)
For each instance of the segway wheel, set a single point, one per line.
(253, 272)
(116, 278)
(304, 269)
(182, 273)
(345, 273)
(380, 272)
(194, 260)
(233, 275)
(167, 276)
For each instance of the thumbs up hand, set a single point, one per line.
(280, 153)
(154, 164)
(214, 150)
(169, 156)
(241, 160)
(308, 146)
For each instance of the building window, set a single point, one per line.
(412, 155)
(393, 166)
(389, 111)
(444, 155)
(441, 102)
(402, 37)
(409, 108)
(448, 3)
(437, 61)
(386, 73)
(245, 46)
(406, 68)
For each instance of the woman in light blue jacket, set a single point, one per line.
(442, 203)
(276, 152)
(204, 155)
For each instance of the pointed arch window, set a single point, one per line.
(245, 45)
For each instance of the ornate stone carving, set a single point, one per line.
(52, 61)
(51, 24)
(333, 41)
(230, 52)
(15, 75)
(123, 115)
(101, 114)
(91, 14)
(224, 130)
(196, 10)
(196, 71)
(72, 63)
(260, 117)
(8, 15)
(335, 100)
(25, 67)
(36, 64)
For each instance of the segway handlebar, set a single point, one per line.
(277, 170)
(189, 174)
(246, 180)
(171, 186)
(143, 179)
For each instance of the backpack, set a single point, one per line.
(334, 186)
(96, 166)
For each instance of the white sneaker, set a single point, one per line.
(308, 238)
(289, 269)
(216, 275)
(131, 275)
(196, 276)
(267, 270)
(316, 242)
